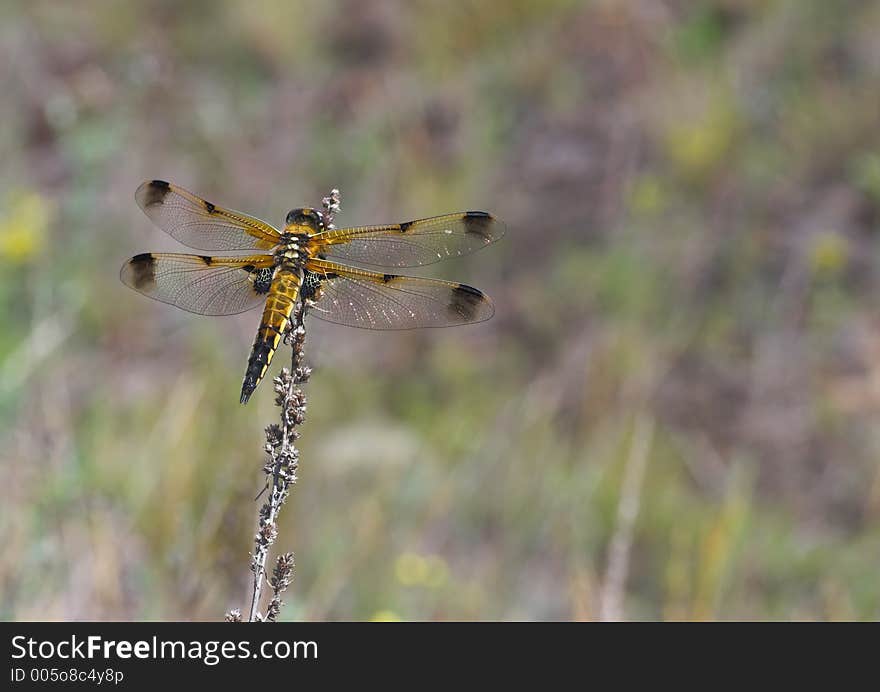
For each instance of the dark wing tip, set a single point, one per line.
(152, 192)
(469, 304)
(483, 224)
(139, 272)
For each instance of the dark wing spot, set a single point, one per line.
(155, 193)
(143, 269)
(210, 207)
(262, 280)
(309, 285)
(466, 302)
(404, 227)
(388, 277)
(312, 283)
(479, 223)
(206, 259)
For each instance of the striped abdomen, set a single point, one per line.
(279, 305)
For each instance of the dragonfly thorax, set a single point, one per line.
(290, 249)
(291, 254)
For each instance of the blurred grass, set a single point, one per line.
(692, 195)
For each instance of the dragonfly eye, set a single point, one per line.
(304, 217)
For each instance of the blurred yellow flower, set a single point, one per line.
(412, 569)
(23, 227)
(385, 616)
(438, 572)
(697, 146)
(647, 196)
(829, 253)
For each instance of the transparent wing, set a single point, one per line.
(201, 284)
(370, 300)
(411, 244)
(199, 224)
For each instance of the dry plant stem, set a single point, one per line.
(283, 461)
(281, 467)
(614, 586)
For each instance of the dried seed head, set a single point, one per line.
(282, 573)
(274, 434)
(267, 534)
(331, 205)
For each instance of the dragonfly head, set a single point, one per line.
(303, 217)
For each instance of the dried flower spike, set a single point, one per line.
(281, 466)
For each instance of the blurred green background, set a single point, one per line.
(675, 413)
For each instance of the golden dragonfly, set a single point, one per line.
(298, 264)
